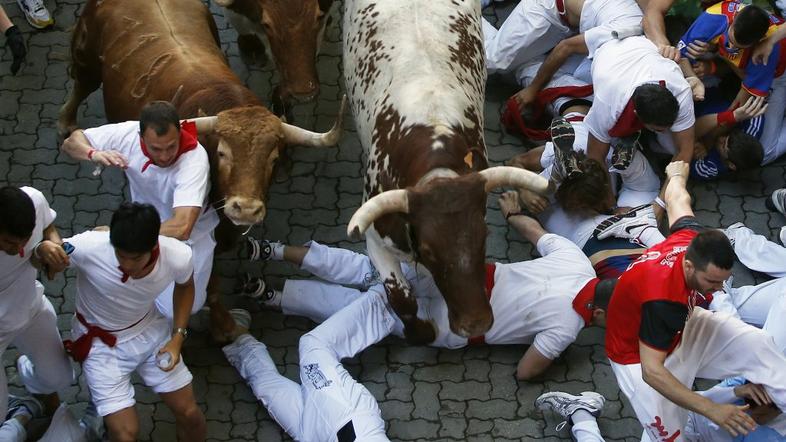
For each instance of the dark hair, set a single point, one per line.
(603, 291)
(18, 213)
(710, 246)
(587, 192)
(655, 104)
(134, 228)
(750, 25)
(745, 150)
(158, 115)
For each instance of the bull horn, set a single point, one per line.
(501, 176)
(224, 3)
(204, 125)
(391, 201)
(303, 137)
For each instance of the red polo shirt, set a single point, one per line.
(651, 301)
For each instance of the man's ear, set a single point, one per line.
(598, 315)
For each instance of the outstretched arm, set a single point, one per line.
(550, 66)
(655, 27)
(527, 226)
(676, 195)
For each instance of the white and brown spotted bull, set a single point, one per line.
(416, 79)
(288, 31)
(146, 51)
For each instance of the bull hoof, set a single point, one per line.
(252, 51)
(420, 332)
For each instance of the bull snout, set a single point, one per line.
(244, 211)
(304, 93)
(468, 327)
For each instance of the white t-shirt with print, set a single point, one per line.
(105, 300)
(620, 66)
(599, 18)
(20, 292)
(186, 183)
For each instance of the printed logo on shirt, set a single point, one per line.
(671, 257)
(317, 378)
(659, 432)
(649, 256)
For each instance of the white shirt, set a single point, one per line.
(620, 66)
(20, 293)
(599, 18)
(532, 301)
(105, 300)
(186, 183)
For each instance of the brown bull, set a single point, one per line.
(143, 51)
(291, 31)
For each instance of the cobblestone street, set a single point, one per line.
(424, 393)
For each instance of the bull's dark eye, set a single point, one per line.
(221, 154)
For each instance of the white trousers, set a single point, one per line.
(773, 134)
(327, 397)
(203, 249)
(64, 427)
(533, 28)
(757, 252)
(713, 346)
(586, 431)
(44, 367)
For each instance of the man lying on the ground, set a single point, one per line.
(544, 302)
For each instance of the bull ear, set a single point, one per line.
(391, 201)
(302, 137)
(504, 176)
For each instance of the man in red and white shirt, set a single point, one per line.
(658, 341)
(29, 239)
(167, 168)
(117, 327)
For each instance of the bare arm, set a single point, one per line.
(48, 255)
(653, 23)
(684, 140)
(532, 364)
(550, 66)
(182, 301)
(676, 195)
(78, 147)
(762, 51)
(182, 223)
(5, 22)
(732, 418)
(527, 227)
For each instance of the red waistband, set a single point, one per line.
(490, 269)
(80, 349)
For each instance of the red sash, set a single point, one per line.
(80, 349)
(538, 129)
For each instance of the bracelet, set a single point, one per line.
(35, 249)
(90, 154)
(726, 118)
(513, 214)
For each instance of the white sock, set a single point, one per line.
(586, 431)
(581, 415)
(277, 251)
(651, 236)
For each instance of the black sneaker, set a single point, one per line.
(623, 150)
(566, 165)
(259, 250)
(256, 288)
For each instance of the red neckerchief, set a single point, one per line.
(188, 142)
(511, 116)
(153, 257)
(583, 303)
(490, 269)
(628, 122)
(22, 252)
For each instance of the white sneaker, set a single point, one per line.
(24, 405)
(783, 236)
(628, 225)
(36, 13)
(777, 201)
(566, 404)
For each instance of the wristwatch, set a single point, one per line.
(182, 331)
